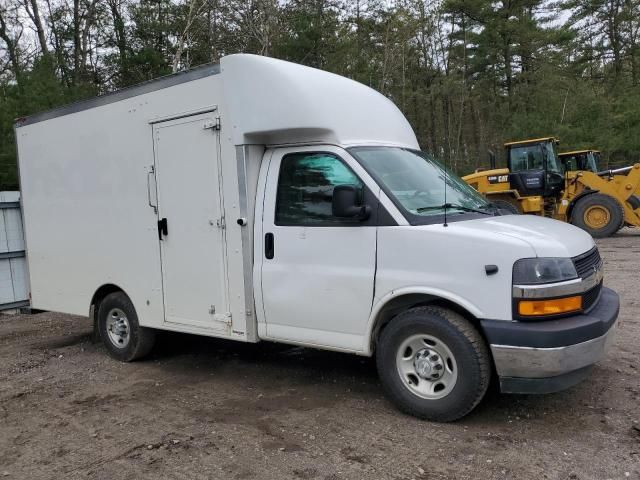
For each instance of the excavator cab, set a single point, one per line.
(587, 160)
(534, 168)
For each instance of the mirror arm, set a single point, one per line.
(365, 213)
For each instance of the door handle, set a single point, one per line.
(163, 228)
(151, 190)
(268, 246)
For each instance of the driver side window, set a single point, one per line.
(305, 189)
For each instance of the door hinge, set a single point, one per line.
(214, 124)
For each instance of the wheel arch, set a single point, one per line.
(586, 192)
(400, 300)
(99, 295)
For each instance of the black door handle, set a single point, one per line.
(163, 228)
(268, 246)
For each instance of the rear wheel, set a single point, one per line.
(598, 214)
(433, 364)
(121, 334)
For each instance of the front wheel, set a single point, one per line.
(598, 214)
(433, 364)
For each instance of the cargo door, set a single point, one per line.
(191, 226)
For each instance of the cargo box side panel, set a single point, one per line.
(85, 186)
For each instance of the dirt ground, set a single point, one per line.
(205, 408)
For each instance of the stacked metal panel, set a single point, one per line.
(14, 289)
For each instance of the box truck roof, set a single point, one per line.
(271, 101)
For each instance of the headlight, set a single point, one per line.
(533, 271)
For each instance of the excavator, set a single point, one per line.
(565, 187)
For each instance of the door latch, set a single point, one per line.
(163, 228)
(220, 223)
(220, 317)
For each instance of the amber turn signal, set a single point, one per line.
(530, 308)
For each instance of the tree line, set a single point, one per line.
(468, 74)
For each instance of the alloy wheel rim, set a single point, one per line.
(118, 328)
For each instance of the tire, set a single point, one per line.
(505, 207)
(598, 214)
(453, 343)
(123, 337)
(634, 203)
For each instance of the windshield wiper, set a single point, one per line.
(453, 206)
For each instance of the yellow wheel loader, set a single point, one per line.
(536, 182)
(588, 160)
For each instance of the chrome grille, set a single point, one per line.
(587, 262)
(590, 297)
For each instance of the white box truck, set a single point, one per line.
(264, 200)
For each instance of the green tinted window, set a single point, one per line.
(305, 189)
(416, 181)
(526, 157)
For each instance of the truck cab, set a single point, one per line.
(260, 200)
(580, 160)
(534, 167)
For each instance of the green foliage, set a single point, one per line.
(468, 74)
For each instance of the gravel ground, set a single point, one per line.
(205, 408)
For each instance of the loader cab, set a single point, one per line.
(534, 168)
(588, 160)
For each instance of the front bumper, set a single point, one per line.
(548, 356)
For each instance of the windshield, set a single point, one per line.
(532, 157)
(581, 161)
(417, 182)
(552, 159)
(526, 157)
(593, 160)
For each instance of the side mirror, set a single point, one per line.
(345, 203)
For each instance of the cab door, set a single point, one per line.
(317, 270)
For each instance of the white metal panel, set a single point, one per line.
(276, 102)
(445, 262)
(4, 241)
(87, 216)
(19, 278)
(9, 196)
(248, 159)
(13, 234)
(13, 277)
(13, 284)
(194, 268)
(548, 237)
(318, 288)
(6, 283)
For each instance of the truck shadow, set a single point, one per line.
(268, 362)
(274, 368)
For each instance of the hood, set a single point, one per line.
(547, 237)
